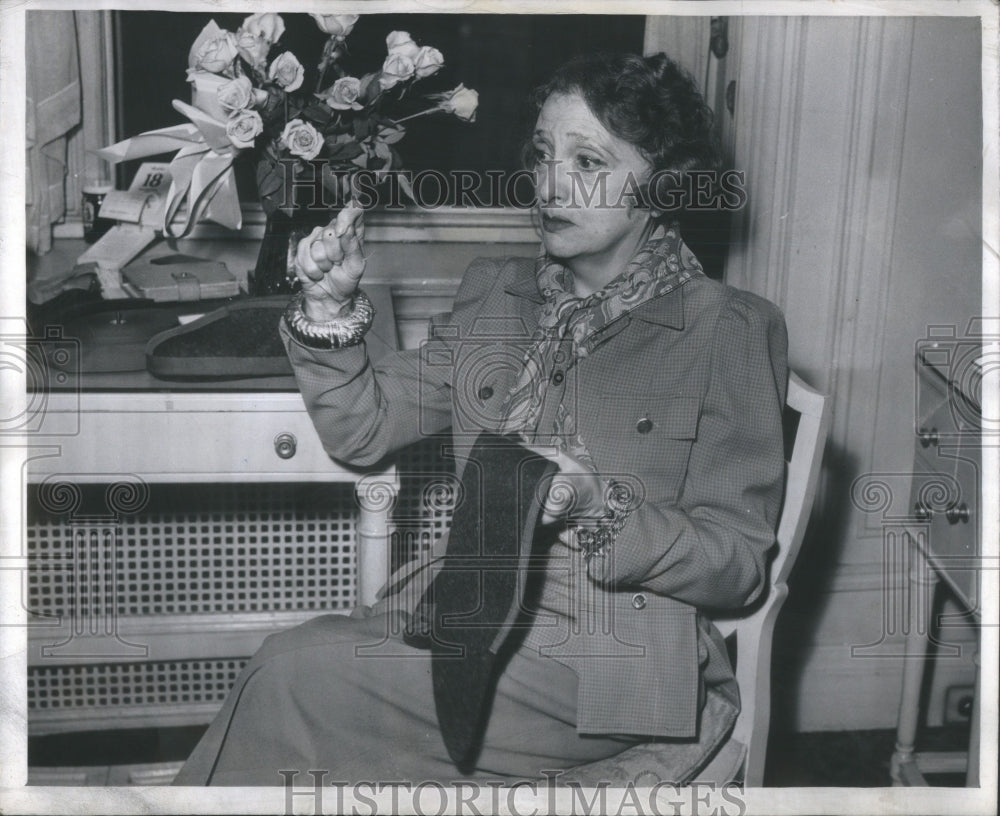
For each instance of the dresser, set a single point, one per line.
(173, 525)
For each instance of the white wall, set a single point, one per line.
(862, 139)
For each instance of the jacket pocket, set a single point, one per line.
(646, 438)
(655, 693)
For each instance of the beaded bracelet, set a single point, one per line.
(599, 536)
(340, 332)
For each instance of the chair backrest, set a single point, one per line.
(811, 411)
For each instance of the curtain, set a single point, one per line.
(53, 111)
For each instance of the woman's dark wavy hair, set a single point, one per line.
(650, 102)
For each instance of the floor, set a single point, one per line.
(858, 759)
(825, 759)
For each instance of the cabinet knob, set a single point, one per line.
(957, 514)
(922, 513)
(928, 438)
(285, 444)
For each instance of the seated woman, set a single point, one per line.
(636, 369)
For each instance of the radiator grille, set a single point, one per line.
(115, 685)
(427, 492)
(216, 548)
(202, 549)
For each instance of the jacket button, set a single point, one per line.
(644, 425)
(557, 376)
(639, 601)
(485, 392)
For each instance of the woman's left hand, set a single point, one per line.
(574, 492)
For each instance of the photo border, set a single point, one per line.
(16, 797)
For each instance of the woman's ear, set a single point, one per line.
(643, 201)
(665, 192)
(649, 202)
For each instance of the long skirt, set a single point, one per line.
(346, 695)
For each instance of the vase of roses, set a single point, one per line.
(310, 143)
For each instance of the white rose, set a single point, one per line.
(243, 127)
(462, 102)
(216, 54)
(343, 94)
(287, 71)
(252, 48)
(400, 42)
(205, 89)
(235, 95)
(336, 25)
(302, 139)
(268, 27)
(427, 61)
(395, 69)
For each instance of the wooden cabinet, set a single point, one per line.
(149, 599)
(171, 527)
(949, 437)
(944, 540)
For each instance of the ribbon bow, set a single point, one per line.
(201, 170)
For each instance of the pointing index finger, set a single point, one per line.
(347, 218)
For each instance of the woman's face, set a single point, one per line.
(585, 180)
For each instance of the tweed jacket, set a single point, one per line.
(683, 395)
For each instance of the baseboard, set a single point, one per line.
(144, 775)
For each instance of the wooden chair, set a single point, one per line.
(807, 423)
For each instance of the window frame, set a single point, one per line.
(505, 225)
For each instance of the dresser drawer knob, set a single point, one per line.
(928, 438)
(957, 514)
(923, 513)
(284, 445)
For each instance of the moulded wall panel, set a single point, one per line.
(863, 226)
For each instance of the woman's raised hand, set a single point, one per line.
(329, 262)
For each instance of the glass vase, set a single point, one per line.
(274, 273)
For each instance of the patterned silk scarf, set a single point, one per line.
(662, 264)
